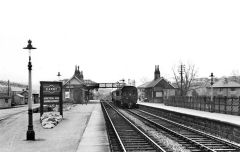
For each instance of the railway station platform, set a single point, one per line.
(95, 138)
(82, 129)
(222, 125)
(225, 118)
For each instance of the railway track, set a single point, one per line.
(124, 135)
(10, 115)
(6, 115)
(192, 139)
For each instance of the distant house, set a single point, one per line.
(16, 93)
(224, 87)
(25, 94)
(18, 99)
(5, 99)
(21, 97)
(156, 90)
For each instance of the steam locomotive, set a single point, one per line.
(125, 96)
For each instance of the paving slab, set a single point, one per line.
(95, 137)
(232, 119)
(65, 137)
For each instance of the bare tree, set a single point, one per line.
(184, 76)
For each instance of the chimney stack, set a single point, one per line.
(156, 72)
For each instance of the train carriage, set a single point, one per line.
(125, 97)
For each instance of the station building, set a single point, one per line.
(156, 90)
(75, 89)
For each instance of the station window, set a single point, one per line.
(232, 89)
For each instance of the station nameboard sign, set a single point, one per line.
(50, 93)
(51, 89)
(51, 99)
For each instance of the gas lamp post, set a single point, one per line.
(30, 131)
(59, 76)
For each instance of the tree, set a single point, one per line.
(184, 76)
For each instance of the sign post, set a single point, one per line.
(51, 93)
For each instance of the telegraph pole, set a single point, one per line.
(182, 67)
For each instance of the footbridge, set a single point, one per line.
(104, 85)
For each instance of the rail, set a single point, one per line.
(112, 125)
(197, 138)
(131, 137)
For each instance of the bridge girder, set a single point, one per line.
(104, 85)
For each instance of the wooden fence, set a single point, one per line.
(226, 105)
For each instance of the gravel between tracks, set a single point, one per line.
(171, 144)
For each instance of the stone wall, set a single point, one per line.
(218, 128)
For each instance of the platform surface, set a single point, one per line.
(82, 123)
(232, 119)
(95, 137)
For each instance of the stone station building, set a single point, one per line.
(156, 90)
(75, 89)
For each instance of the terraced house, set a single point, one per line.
(226, 87)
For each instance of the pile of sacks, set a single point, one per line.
(50, 119)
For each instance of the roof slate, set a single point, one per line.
(144, 85)
(74, 76)
(154, 83)
(226, 84)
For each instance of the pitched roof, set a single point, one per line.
(224, 83)
(20, 95)
(74, 76)
(174, 85)
(17, 89)
(81, 81)
(154, 83)
(143, 85)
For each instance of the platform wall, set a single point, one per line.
(218, 128)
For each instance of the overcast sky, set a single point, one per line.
(115, 39)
